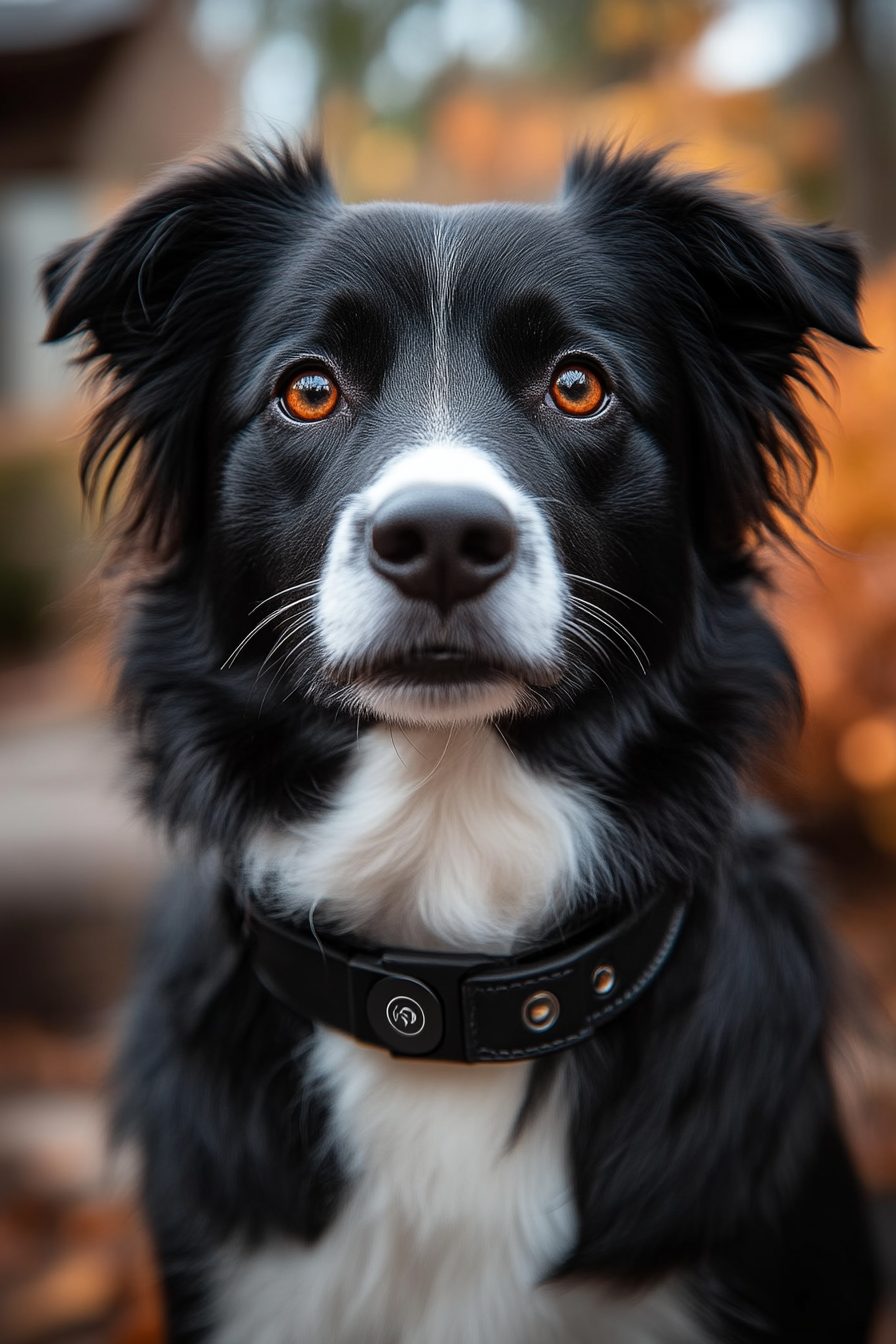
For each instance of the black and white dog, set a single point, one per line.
(489, 1008)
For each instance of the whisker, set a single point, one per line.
(293, 588)
(605, 616)
(292, 629)
(504, 739)
(272, 616)
(287, 662)
(591, 672)
(395, 749)
(615, 591)
(412, 745)
(616, 625)
(578, 627)
(261, 625)
(575, 628)
(428, 777)
(288, 658)
(620, 640)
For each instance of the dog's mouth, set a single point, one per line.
(438, 665)
(438, 683)
(441, 665)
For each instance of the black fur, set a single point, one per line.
(703, 1133)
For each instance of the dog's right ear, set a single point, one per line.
(745, 301)
(158, 295)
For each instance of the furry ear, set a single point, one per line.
(158, 293)
(741, 294)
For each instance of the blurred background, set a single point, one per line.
(443, 100)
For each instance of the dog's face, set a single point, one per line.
(441, 440)
(447, 464)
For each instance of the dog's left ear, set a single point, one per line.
(742, 295)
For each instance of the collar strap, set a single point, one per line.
(453, 1006)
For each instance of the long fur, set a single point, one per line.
(703, 1187)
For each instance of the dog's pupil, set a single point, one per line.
(314, 387)
(574, 383)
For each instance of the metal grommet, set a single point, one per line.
(603, 979)
(541, 1010)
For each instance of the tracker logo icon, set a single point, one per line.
(405, 1015)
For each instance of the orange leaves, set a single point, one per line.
(840, 617)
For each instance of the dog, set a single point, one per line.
(487, 1004)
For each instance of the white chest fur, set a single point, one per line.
(448, 1227)
(436, 838)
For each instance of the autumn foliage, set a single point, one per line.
(839, 613)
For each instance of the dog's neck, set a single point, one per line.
(435, 838)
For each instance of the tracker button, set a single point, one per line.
(406, 1015)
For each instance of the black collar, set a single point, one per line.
(470, 1009)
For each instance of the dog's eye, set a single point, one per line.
(577, 390)
(311, 395)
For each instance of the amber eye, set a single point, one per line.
(310, 396)
(577, 390)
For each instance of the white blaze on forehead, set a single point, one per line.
(445, 463)
(442, 266)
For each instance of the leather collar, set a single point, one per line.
(453, 1006)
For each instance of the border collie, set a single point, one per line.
(445, 663)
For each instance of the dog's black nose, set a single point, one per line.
(442, 543)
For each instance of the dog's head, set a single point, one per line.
(452, 463)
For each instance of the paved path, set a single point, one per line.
(68, 831)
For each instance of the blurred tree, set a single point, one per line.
(857, 78)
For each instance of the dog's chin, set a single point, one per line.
(438, 690)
